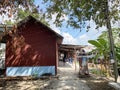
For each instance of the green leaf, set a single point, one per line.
(103, 42)
(95, 43)
(118, 56)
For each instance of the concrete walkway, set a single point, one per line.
(68, 79)
(114, 84)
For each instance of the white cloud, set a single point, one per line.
(83, 39)
(55, 28)
(68, 39)
(92, 34)
(63, 17)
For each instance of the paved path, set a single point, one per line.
(68, 79)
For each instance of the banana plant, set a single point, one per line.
(117, 49)
(102, 49)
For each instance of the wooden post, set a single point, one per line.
(75, 58)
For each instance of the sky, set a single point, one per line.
(71, 35)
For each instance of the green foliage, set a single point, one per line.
(104, 35)
(81, 11)
(116, 32)
(98, 72)
(94, 71)
(103, 42)
(95, 43)
(118, 53)
(99, 43)
(9, 22)
(9, 7)
(116, 38)
(102, 47)
(21, 14)
(24, 13)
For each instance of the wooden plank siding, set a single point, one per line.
(34, 46)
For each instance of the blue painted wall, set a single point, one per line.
(28, 71)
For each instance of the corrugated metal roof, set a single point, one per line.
(70, 47)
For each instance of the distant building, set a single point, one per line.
(88, 48)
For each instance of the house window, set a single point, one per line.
(2, 55)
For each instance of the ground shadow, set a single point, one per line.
(96, 83)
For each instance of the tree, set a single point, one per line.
(102, 50)
(80, 11)
(116, 38)
(9, 7)
(19, 9)
(102, 12)
(21, 14)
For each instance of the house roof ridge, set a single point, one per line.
(31, 17)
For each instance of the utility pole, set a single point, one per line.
(111, 41)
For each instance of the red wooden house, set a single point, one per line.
(32, 50)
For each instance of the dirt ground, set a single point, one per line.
(97, 83)
(68, 80)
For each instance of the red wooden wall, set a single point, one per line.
(34, 46)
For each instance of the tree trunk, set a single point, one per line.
(112, 52)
